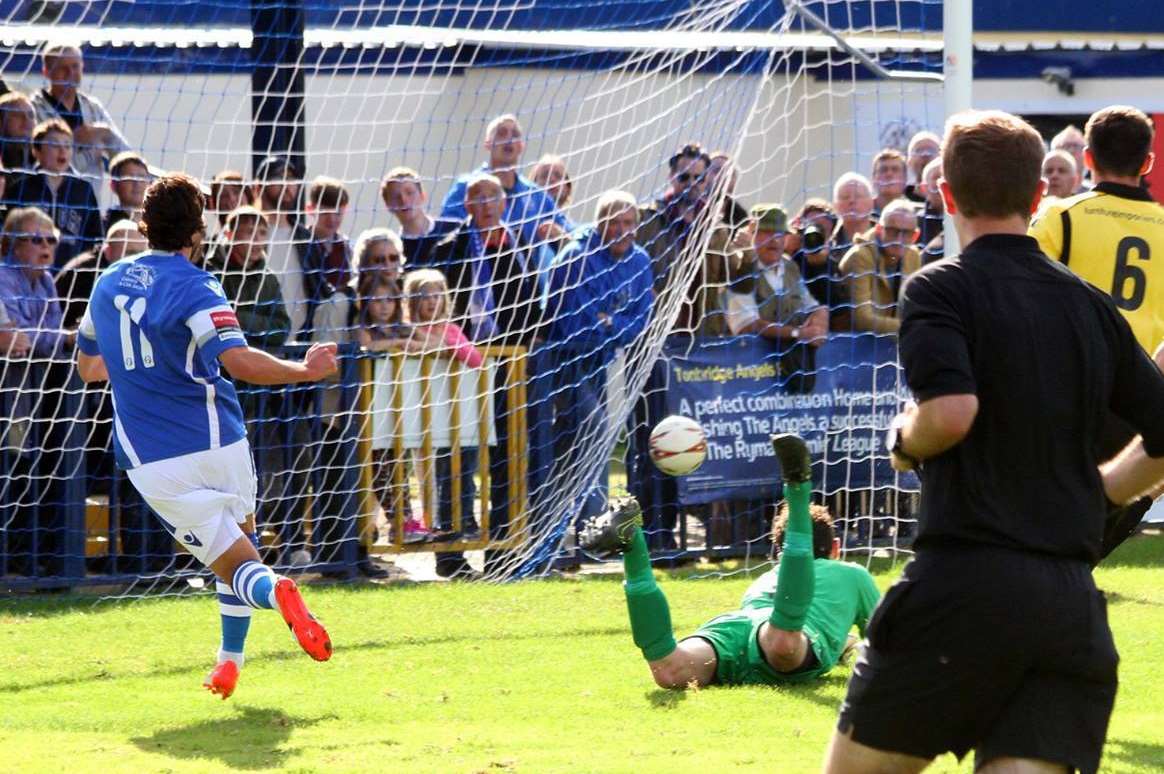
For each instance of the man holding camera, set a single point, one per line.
(811, 246)
(679, 220)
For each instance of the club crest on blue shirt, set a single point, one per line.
(137, 276)
(215, 287)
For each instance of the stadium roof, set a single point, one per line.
(619, 40)
(1011, 42)
(1079, 18)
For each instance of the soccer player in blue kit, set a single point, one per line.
(159, 328)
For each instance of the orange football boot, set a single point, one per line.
(309, 632)
(222, 679)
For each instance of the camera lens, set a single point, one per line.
(812, 238)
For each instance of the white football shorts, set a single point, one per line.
(201, 498)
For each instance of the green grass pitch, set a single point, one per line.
(527, 677)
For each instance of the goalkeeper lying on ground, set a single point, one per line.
(794, 621)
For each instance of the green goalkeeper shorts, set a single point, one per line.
(739, 661)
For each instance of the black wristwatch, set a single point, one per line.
(893, 441)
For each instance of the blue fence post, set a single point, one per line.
(76, 482)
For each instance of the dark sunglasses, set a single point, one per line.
(37, 239)
(686, 177)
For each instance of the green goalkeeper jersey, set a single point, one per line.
(844, 596)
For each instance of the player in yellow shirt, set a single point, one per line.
(1109, 236)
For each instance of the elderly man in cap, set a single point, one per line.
(773, 301)
(877, 265)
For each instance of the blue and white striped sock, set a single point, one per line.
(236, 622)
(254, 584)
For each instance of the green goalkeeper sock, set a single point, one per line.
(794, 579)
(650, 617)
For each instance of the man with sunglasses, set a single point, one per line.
(666, 225)
(878, 263)
(681, 217)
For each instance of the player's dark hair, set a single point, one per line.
(993, 162)
(1120, 139)
(823, 533)
(691, 150)
(45, 128)
(890, 154)
(126, 157)
(171, 213)
(399, 175)
(327, 193)
(377, 285)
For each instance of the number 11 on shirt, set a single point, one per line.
(131, 315)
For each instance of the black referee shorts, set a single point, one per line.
(987, 649)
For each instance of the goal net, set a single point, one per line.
(499, 387)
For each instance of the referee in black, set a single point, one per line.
(995, 639)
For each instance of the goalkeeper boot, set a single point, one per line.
(310, 634)
(612, 530)
(222, 679)
(792, 453)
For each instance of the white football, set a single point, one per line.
(678, 445)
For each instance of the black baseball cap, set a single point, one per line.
(277, 167)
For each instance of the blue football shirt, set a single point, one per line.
(160, 324)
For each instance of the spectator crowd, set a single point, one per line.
(498, 263)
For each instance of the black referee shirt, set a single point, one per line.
(1047, 355)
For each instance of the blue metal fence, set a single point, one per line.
(70, 519)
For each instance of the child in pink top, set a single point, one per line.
(432, 332)
(428, 312)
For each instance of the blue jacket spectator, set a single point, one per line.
(528, 208)
(600, 294)
(496, 280)
(600, 287)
